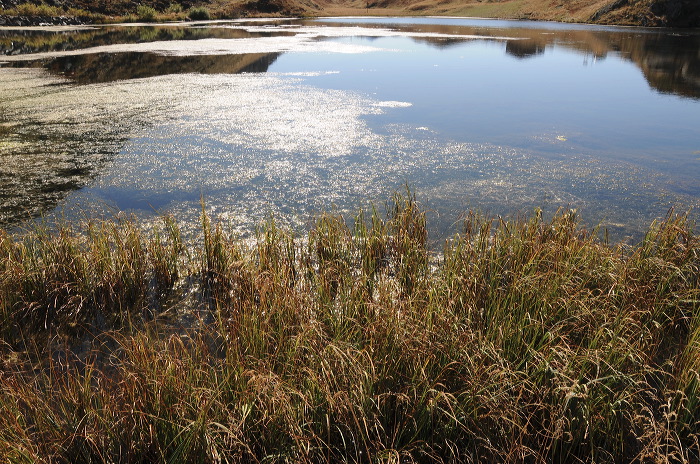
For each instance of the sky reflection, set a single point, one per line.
(324, 116)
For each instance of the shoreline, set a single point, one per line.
(672, 14)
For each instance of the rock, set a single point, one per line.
(607, 9)
(677, 13)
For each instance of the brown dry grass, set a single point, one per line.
(525, 341)
(600, 11)
(552, 10)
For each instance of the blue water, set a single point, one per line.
(501, 116)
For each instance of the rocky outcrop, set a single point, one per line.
(5, 4)
(24, 21)
(677, 13)
(607, 9)
(657, 13)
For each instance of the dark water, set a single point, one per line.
(292, 117)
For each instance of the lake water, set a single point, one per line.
(291, 117)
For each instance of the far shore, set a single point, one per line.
(646, 13)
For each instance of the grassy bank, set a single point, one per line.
(528, 340)
(659, 13)
(149, 11)
(43, 13)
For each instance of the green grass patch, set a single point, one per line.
(199, 13)
(527, 340)
(146, 13)
(31, 9)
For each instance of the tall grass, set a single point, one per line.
(66, 280)
(199, 13)
(146, 13)
(51, 11)
(524, 340)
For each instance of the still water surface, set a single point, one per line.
(288, 118)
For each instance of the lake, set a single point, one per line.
(287, 118)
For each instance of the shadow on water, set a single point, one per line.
(39, 168)
(526, 48)
(110, 67)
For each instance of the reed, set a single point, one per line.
(523, 340)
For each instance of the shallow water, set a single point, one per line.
(289, 118)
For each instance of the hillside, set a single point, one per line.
(674, 13)
(658, 13)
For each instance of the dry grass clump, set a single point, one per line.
(527, 340)
(122, 11)
(43, 10)
(72, 281)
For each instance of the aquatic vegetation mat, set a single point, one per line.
(524, 340)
